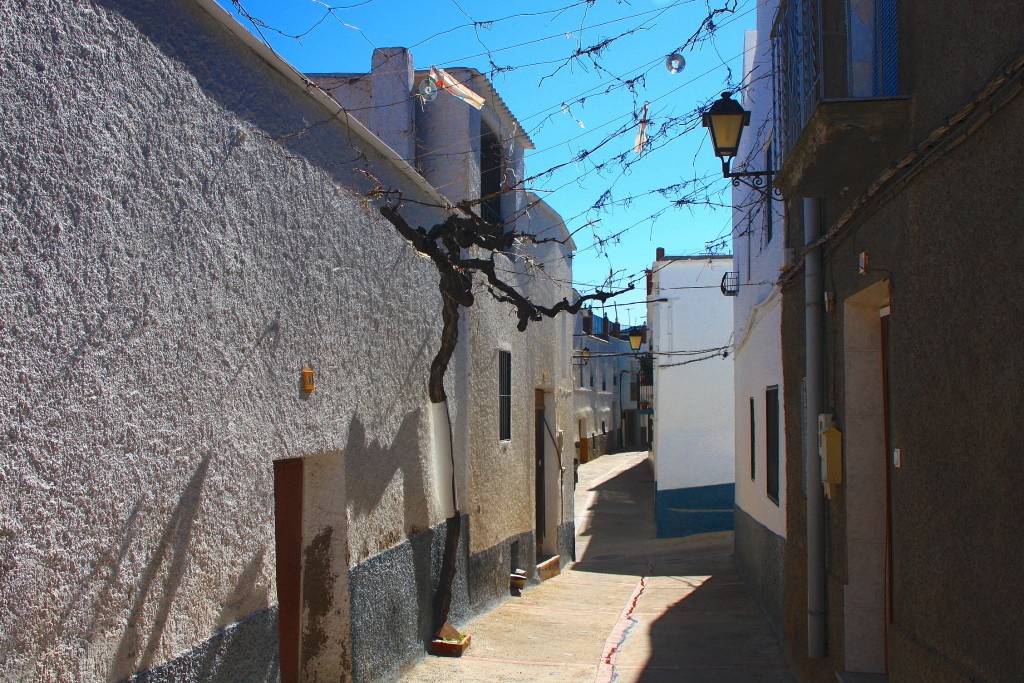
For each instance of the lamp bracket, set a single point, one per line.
(760, 181)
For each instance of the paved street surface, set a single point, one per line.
(632, 608)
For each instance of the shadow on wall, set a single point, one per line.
(370, 467)
(226, 654)
(393, 569)
(240, 653)
(136, 650)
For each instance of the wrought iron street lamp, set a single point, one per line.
(583, 357)
(725, 120)
(636, 338)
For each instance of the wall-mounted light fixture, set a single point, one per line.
(307, 379)
(725, 120)
(636, 338)
(583, 357)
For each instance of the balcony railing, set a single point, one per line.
(838, 114)
(731, 283)
(797, 71)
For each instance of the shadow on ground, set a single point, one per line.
(694, 621)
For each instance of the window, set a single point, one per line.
(505, 395)
(753, 444)
(591, 379)
(490, 177)
(771, 441)
(604, 382)
(603, 430)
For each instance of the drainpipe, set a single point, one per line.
(814, 299)
(443, 461)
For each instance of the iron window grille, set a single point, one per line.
(505, 395)
(731, 283)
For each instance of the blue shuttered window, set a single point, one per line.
(886, 62)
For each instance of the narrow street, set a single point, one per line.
(632, 608)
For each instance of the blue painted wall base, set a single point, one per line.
(697, 510)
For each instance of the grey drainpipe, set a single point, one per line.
(814, 300)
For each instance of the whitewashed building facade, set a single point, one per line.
(759, 253)
(693, 446)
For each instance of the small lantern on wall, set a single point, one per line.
(636, 338)
(725, 120)
(307, 379)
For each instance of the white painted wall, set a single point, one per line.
(693, 420)
(758, 307)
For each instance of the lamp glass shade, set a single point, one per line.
(726, 120)
(635, 339)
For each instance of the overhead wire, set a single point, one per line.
(600, 242)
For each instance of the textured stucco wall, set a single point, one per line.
(167, 269)
(501, 475)
(937, 242)
(326, 643)
(173, 254)
(548, 274)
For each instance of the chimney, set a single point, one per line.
(393, 114)
(659, 254)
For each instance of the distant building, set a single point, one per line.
(635, 384)
(597, 398)
(690, 343)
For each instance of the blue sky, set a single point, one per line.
(536, 47)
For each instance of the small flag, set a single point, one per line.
(451, 85)
(641, 134)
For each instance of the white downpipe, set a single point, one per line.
(814, 301)
(441, 453)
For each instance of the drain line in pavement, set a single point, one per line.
(606, 672)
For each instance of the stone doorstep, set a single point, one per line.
(549, 568)
(861, 677)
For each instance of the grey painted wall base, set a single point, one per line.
(489, 570)
(567, 542)
(759, 560)
(391, 607)
(246, 651)
(392, 602)
(697, 510)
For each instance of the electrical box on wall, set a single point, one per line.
(830, 448)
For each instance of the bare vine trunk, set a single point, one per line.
(444, 244)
